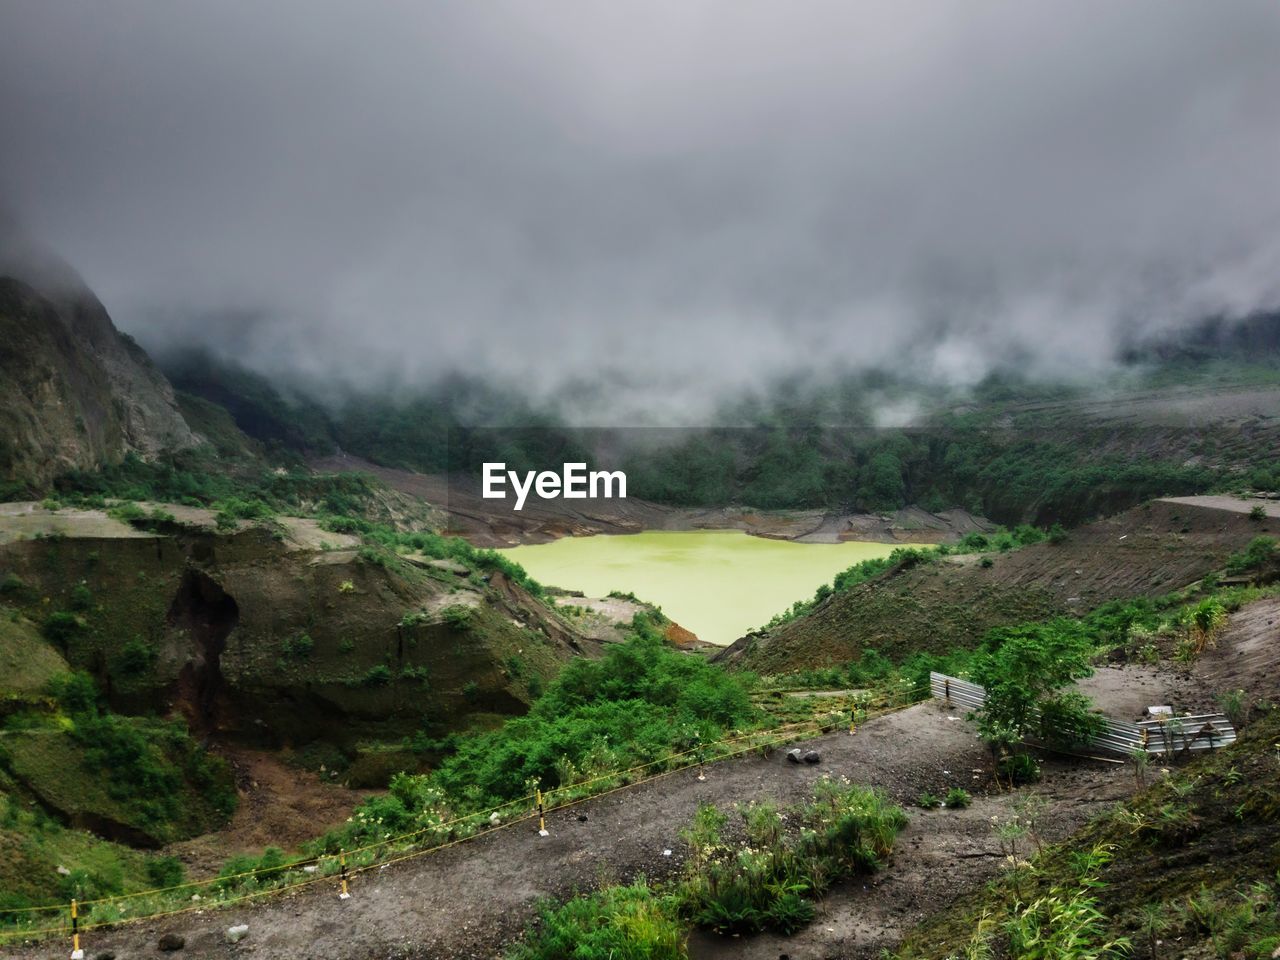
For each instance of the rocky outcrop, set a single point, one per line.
(75, 393)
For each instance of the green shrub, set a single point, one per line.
(1259, 552)
(75, 692)
(641, 702)
(12, 585)
(768, 880)
(164, 871)
(1020, 768)
(298, 646)
(62, 628)
(378, 675)
(136, 658)
(616, 923)
(457, 616)
(958, 798)
(1022, 670)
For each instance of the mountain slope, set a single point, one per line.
(74, 392)
(936, 607)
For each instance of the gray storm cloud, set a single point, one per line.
(682, 197)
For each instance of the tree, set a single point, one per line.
(1024, 670)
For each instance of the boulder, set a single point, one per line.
(812, 756)
(795, 755)
(237, 933)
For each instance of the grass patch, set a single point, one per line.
(766, 876)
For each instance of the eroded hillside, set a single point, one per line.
(265, 635)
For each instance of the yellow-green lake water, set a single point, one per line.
(720, 584)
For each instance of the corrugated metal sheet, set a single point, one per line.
(1163, 736)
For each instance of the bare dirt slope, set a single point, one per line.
(1147, 551)
(468, 900)
(280, 806)
(1246, 656)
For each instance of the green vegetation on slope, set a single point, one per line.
(764, 875)
(135, 779)
(903, 558)
(1189, 867)
(639, 703)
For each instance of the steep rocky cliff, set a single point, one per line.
(74, 392)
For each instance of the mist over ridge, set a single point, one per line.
(633, 214)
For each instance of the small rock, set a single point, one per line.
(310, 868)
(795, 755)
(63, 871)
(172, 941)
(494, 820)
(812, 756)
(237, 933)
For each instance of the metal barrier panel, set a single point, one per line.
(1160, 737)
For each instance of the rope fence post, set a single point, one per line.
(542, 814)
(76, 952)
(342, 865)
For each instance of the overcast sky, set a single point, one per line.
(694, 193)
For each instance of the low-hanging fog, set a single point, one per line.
(675, 199)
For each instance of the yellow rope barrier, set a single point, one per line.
(770, 738)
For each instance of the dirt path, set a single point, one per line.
(469, 900)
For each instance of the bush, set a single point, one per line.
(1022, 669)
(136, 658)
(12, 585)
(767, 881)
(616, 923)
(1020, 768)
(958, 798)
(62, 628)
(1259, 552)
(75, 692)
(457, 616)
(298, 646)
(165, 871)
